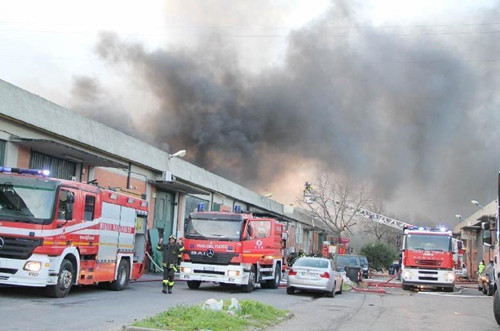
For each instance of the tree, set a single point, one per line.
(333, 202)
(380, 256)
(382, 232)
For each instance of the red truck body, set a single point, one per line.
(232, 248)
(57, 233)
(427, 260)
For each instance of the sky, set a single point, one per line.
(397, 96)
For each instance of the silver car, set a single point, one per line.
(314, 274)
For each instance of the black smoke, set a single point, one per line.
(412, 112)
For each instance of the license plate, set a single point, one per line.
(307, 275)
(208, 268)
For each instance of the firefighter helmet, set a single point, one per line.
(172, 237)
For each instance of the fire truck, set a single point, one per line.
(57, 233)
(427, 259)
(233, 248)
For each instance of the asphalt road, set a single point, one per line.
(96, 309)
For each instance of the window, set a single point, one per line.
(59, 168)
(88, 214)
(65, 207)
(2, 152)
(260, 229)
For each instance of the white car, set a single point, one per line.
(461, 272)
(314, 274)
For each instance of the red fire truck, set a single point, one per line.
(57, 233)
(233, 248)
(427, 260)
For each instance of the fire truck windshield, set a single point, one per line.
(214, 228)
(26, 200)
(428, 242)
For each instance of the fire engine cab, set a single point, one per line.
(232, 248)
(57, 233)
(427, 260)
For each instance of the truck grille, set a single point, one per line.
(428, 263)
(18, 248)
(217, 258)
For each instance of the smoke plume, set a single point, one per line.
(410, 111)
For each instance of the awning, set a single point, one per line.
(177, 186)
(65, 152)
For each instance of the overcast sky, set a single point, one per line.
(397, 95)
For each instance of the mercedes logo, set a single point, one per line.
(2, 243)
(210, 252)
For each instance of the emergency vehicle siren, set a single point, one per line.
(44, 173)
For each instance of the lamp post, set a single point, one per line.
(180, 153)
(476, 203)
(459, 217)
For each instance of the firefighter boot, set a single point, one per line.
(164, 289)
(170, 289)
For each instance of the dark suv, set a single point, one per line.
(351, 265)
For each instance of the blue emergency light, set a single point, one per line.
(237, 209)
(44, 173)
(201, 207)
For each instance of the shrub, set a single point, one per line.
(379, 255)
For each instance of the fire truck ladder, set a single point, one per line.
(397, 224)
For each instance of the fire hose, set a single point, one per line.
(150, 258)
(378, 285)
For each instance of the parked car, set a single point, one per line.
(351, 264)
(314, 274)
(462, 272)
(486, 281)
(365, 266)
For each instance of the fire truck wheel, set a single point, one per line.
(496, 307)
(122, 276)
(449, 289)
(251, 281)
(274, 283)
(194, 284)
(64, 281)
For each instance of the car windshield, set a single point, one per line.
(27, 199)
(218, 228)
(428, 242)
(348, 261)
(364, 260)
(311, 263)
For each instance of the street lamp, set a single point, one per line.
(180, 153)
(459, 217)
(476, 203)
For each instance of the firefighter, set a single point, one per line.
(172, 252)
(302, 253)
(480, 268)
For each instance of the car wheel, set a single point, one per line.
(331, 294)
(290, 290)
(491, 290)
